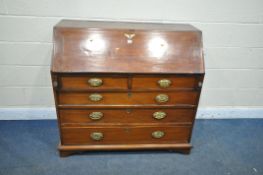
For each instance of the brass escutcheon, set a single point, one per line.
(159, 115)
(55, 84)
(96, 136)
(95, 97)
(200, 84)
(162, 98)
(164, 83)
(129, 37)
(96, 115)
(157, 134)
(95, 82)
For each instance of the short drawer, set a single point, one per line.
(164, 82)
(125, 135)
(100, 116)
(124, 98)
(93, 82)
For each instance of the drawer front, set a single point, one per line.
(125, 135)
(93, 82)
(91, 116)
(164, 82)
(124, 98)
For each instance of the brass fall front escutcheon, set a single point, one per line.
(96, 136)
(95, 82)
(159, 115)
(96, 115)
(129, 37)
(95, 97)
(162, 98)
(157, 134)
(164, 83)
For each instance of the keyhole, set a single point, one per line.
(128, 111)
(127, 130)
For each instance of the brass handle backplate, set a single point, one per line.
(162, 98)
(95, 97)
(96, 136)
(159, 115)
(95, 82)
(157, 134)
(164, 83)
(95, 115)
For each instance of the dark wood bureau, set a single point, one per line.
(121, 86)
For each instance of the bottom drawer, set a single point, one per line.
(100, 135)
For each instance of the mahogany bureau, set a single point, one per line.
(121, 86)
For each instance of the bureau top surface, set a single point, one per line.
(126, 47)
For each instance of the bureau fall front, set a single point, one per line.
(126, 86)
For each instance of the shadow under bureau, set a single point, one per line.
(121, 86)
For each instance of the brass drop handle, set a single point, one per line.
(95, 115)
(96, 136)
(95, 97)
(164, 83)
(162, 98)
(157, 134)
(95, 82)
(159, 115)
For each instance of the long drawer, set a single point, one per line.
(101, 116)
(125, 135)
(125, 98)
